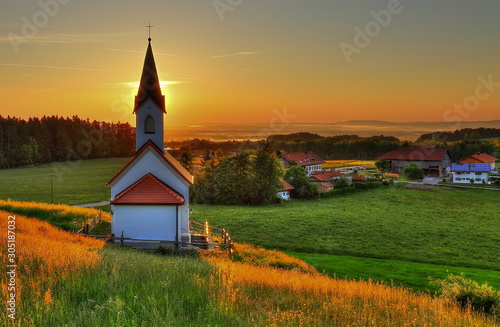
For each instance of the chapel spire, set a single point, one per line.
(149, 87)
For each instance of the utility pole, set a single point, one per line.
(52, 187)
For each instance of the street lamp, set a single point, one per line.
(52, 187)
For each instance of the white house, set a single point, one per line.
(150, 194)
(284, 193)
(464, 173)
(480, 158)
(308, 160)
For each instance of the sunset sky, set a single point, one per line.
(241, 61)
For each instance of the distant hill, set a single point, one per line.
(461, 135)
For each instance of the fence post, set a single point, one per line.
(121, 240)
(206, 228)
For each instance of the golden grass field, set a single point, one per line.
(299, 296)
(256, 288)
(343, 163)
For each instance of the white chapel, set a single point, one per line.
(150, 194)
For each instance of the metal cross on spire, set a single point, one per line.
(149, 26)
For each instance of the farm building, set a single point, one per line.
(325, 187)
(434, 161)
(150, 194)
(480, 158)
(308, 160)
(328, 176)
(284, 193)
(465, 172)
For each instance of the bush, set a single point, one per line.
(413, 171)
(341, 191)
(367, 185)
(468, 293)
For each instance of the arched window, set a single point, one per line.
(149, 127)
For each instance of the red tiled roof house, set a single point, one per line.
(284, 192)
(308, 160)
(480, 158)
(435, 162)
(150, 194)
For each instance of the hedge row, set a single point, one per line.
(354, 188)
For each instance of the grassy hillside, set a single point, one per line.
(69, 280)
(458, 227)
(74, 182)
(398, 234)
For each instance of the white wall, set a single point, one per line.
(149, 108)
(144, 222)
(285, 195)
(150, 162)
(465, 177)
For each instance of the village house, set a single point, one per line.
(481, 158)
(325, 179)
(284, 193)
(327, 176)
(150, 194)
(435, 162)
(308, 160)
(467, 172)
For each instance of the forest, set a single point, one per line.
(344, 147)
(48, 139)
(54, 138)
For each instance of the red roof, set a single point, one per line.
(482, 157)
(359, 178)
(326, 175)
(303, 158)
(421, 153)
(149, 190)
(286, 186)
(165, 156)
(327, 185)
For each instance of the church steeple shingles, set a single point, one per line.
(149, 86)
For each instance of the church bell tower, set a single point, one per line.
(149, 106)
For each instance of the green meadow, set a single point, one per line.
(74, 182)
(388, 234)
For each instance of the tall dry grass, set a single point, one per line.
(62, 208)
(266, 296)
(44, 255)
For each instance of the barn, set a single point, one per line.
(435, 162)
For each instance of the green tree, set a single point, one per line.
(232, 180)
(303, 189)
(341, 182)
(186, 160)
(267, 173)
(383, 165)
(413, 171)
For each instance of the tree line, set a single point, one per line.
(465, 134)
(54, 138)
(334, 147)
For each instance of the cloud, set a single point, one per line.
(242, 53)
(65, 38)
(142, 52)
(66, 68)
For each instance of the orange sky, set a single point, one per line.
(238, 64)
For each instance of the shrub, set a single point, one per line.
(468, 293)
(367, 185)
(341, 191)
(413, 171)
